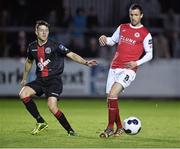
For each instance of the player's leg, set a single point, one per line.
(53, 91)
(113, 110)
(111, 113)
(124, 78)
(25, 95)
(53, 107)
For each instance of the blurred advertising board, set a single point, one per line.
(155, 79)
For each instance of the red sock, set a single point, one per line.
(26, 100)
(118, 120)
(112, 107)
(32, 108)
(63, 121)
(58, 114)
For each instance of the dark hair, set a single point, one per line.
(41, 22)
(136, 6)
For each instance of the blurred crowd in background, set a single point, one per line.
(78, 24)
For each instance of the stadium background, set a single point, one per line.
(154, 96)
(78, 24)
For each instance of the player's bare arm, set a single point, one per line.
(27, 68)
(75, 57)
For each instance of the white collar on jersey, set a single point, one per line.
(135, 26)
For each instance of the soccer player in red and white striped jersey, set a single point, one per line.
(134, 48)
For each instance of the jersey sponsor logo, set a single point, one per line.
(137, 34)
(42, 64)
(48, 50)
(34, 49)
(128, 40)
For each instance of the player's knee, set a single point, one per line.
(112, 96)
(52, 107)
(23, 94)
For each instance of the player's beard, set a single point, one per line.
(135, 23)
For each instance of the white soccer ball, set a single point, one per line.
(132, 125)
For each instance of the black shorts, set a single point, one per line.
(51, 87)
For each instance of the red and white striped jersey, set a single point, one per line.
(133, 42)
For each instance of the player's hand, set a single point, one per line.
(130, 65)
(23, 82)
(102, 40)
(91, 63)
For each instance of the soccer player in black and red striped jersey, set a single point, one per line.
(49, 58)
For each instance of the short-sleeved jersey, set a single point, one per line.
(49, 58)
(131, 45)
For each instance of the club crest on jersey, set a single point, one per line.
(137, 34)
(48, 50)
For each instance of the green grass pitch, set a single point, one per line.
(160, 125)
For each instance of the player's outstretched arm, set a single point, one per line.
(110, 41)
(77, 58)
(27, 68)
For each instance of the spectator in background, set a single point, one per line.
(152, 8)
(152, 11)
(5, 18)
(67, 18)
(79, 22)
(53, 18)
(20, 13)
(171, 21)
(170, 26)
(161, 46)
(18, 49)
(91, 34)
(175, 44)
(4, 46)
(92, 22)
(78, 28)
(65, 22)
(5, 21)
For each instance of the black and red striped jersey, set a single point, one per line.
(49, 57)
